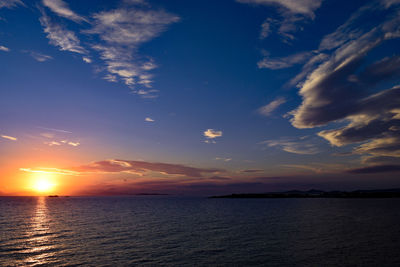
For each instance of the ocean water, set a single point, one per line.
(183, 231)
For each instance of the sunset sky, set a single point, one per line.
(198, 97)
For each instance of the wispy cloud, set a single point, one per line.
(284, 62)
(149, 119)
(269, 108)
(340, 87)
(62, 9)
(121, 32)
(9, 137)
(5, 49)
(293, 12)
(40, 57)
(223, 159)
(11, 3)
(50, 170)
(293, 145)
(140, 167)
(53, 129)
(59, 36)
(61, 142)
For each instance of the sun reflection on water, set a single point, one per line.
(40, 244)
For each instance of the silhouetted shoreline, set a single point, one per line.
(386, 193)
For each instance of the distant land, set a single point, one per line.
(384, 193)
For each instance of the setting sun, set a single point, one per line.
(43, 183)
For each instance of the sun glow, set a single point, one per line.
(43, 183)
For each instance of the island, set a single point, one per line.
(384, 193)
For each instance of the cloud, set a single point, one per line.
(117, 165)
(344, 87)
(223, 159)
(73, 143)
(149, 119)
(11, 3)
(52, 143)
(265, 29)
(251, 170)
(87, 60)
(375, 169)
(40, 57)
(283, 62)
(302, 147)
(61, 8)
(304, 7)
(62, 142)
(292, 12)
(50, 170)
(9, 137)
(121, 31)
(5, 49)
(54, 130)
(269, 108)
(59, 36)
(211, 134)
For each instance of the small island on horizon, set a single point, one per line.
(313, 193)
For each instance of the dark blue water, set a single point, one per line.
(173, 231)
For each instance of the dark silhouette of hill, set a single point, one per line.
(384, 193)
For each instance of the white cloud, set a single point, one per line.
(121, 32)
(269, 108)
(149, 119)
(52, 143)
(59, 36)
(87, 60)
(9, 137)
(74, 143)
(210, 133)
(61, 8)
(5, 49)
(40, 57)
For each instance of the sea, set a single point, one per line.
(198, 231)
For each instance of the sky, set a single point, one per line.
(198, 97)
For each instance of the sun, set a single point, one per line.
(43, 183)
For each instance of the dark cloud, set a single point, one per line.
(376, 169)
(251, 170)
(139, 167)
(345, 87)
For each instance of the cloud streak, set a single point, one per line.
(58, 36)
(272, 106)
(140, 167)
(9, 137)
(292, 12)
(340, 87)
(4, 49)
(62, 9)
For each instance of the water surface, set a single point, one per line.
(183, 231)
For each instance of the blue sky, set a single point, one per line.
(270, 94)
